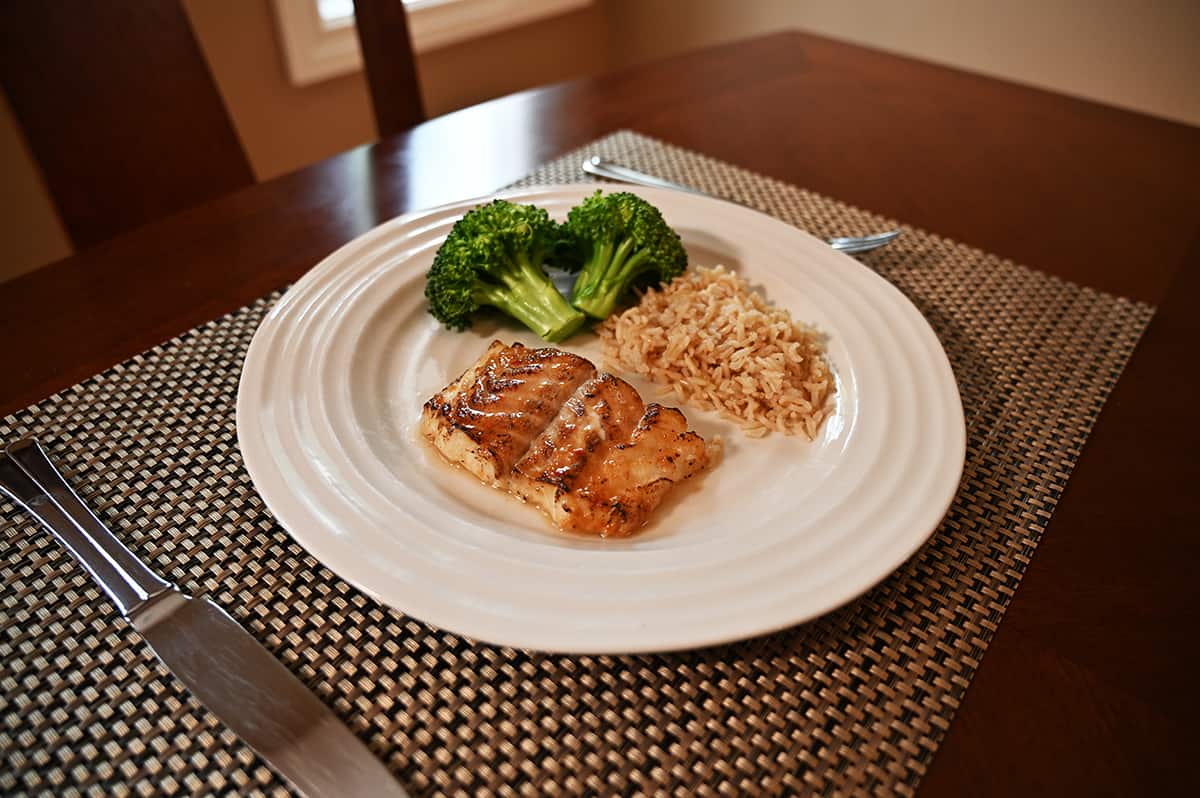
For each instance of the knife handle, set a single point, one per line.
(28, 476)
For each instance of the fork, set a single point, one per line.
(600, 167)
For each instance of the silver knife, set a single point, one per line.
(219, 662)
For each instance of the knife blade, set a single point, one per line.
(221, 663)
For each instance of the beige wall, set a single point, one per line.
(1137, 54)
(281, 127)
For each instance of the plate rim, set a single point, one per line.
(257, 459)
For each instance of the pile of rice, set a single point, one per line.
(721, 346)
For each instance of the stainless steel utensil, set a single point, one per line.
(600, 167)
(219, 662)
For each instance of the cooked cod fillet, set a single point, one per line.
(580, 445)
(486, 419)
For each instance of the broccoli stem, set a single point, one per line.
(605, 278)
(592, 271)
(528, 295)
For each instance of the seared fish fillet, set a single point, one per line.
(581, 445)
(486, 419)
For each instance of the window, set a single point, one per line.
(335, 12)
(319, 40)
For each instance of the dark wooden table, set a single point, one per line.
(1090, 685)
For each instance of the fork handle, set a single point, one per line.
(601, 168)
(28, 476)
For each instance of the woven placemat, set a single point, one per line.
(855, 702)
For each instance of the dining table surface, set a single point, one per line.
(1089, 685)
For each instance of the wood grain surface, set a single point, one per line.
(1089, 686)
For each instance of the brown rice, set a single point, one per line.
(720, 346)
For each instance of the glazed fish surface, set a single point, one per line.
(578, 443)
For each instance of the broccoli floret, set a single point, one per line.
(616, 241)
(494, 256)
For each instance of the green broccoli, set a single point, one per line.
(616, 241)
(494, 256)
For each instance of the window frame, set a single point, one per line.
(316, 50)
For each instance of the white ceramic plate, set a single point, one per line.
(781, 531)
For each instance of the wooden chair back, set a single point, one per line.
(119, 110)
(389, 64)
(123, 116)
